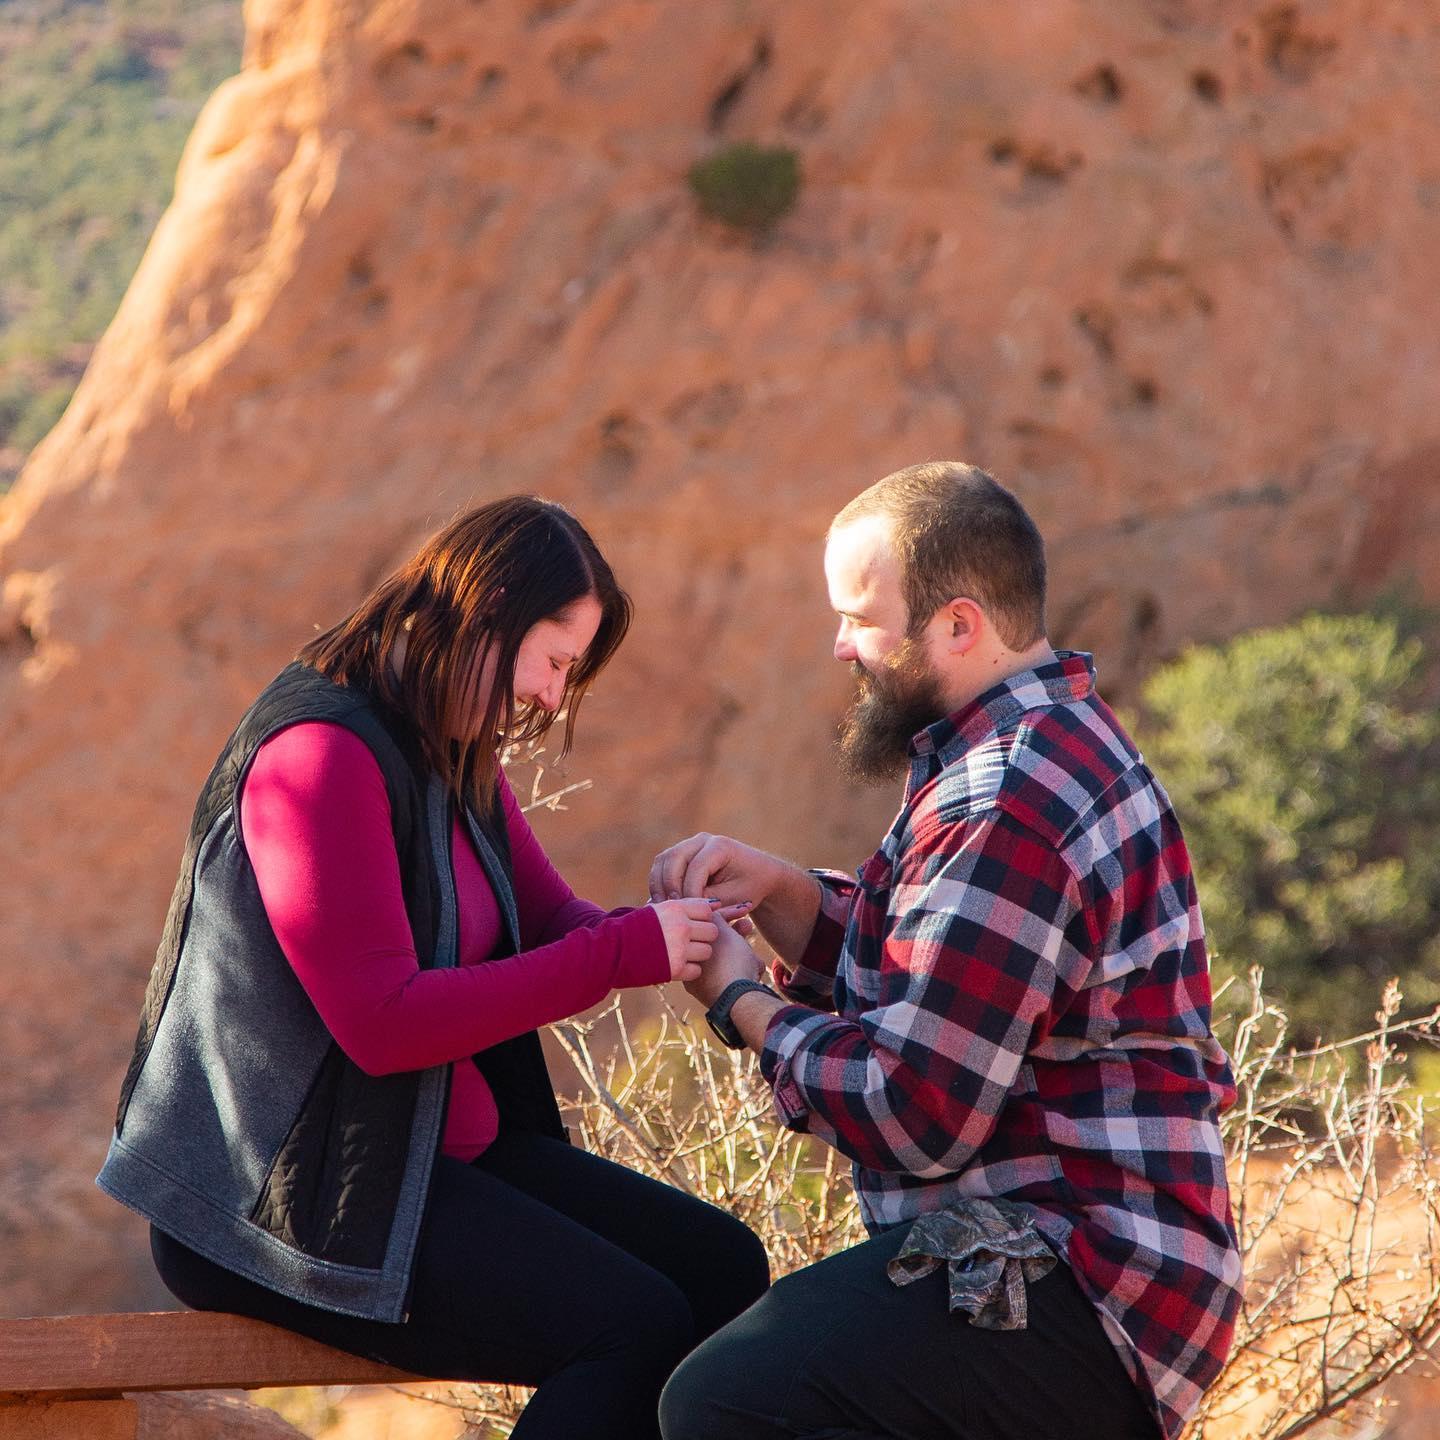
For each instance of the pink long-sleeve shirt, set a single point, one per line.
(315, 822)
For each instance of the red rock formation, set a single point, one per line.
(1169, 267)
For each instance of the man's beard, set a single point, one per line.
(893, 705)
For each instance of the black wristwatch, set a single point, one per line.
(719, 1013)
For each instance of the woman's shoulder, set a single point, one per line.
(318, 745)
(316, 762)
(329, 719)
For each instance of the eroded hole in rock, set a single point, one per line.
(359, 272)
(1295, 184)
(730, 94)
(1046, 166)
(544, 10)
(705, 414)
(1102, 85)
(1207, 87)
(621, 439)
(424, 121)
(1172, 14)
(1291, 50)
(1144, 616)
(17, 640)
(1097, 325)
(400, 71)
(1052, 377)
(571, 60)
(1145, 393)
(1165, 289)
(618, 428)
(917, 254)
(401, 58)
(488, 81)
(1042, 166)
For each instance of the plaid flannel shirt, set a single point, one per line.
(1021, 1008)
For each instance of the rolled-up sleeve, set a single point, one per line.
(984, 936)
(811, 980)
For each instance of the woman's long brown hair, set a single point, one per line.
(473, 590)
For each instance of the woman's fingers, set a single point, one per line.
(733, 913)
(693, 927)
(690, 930)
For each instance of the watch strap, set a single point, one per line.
(718, 1015)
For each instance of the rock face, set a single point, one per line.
(1168, 267)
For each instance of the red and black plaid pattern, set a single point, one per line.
(1021, 1008)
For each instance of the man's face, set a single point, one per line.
(897, 689)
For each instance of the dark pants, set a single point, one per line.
(537, 1265)
(837, 1352)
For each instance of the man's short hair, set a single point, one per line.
(956, 532)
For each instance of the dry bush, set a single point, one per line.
(1334, 1181)
(1333, 1176)
(686, 1111)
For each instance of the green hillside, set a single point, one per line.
(96, 100)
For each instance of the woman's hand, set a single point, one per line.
(690, 929)
(783, 899)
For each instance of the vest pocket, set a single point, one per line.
(334, 1186)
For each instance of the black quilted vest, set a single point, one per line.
(343, 1191)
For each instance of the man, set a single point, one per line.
(1004, 1023)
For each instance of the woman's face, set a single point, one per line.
(546, 655)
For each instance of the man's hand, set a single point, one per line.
(786, 899)
(715, 865)
(730, 959)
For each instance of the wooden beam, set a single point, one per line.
(60, 1357)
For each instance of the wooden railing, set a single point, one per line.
(82, 1375)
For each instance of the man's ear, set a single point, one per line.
(964, 625)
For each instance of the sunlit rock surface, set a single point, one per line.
(1168, 268)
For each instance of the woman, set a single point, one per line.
(337, 1117)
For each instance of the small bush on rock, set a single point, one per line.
(746, 185)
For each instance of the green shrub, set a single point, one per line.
(746, 185)
(96, 101)
(1304, 764)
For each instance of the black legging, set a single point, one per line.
(538, 1264)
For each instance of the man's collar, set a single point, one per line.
(1069, 676)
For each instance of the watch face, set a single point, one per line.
(720, 1033)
